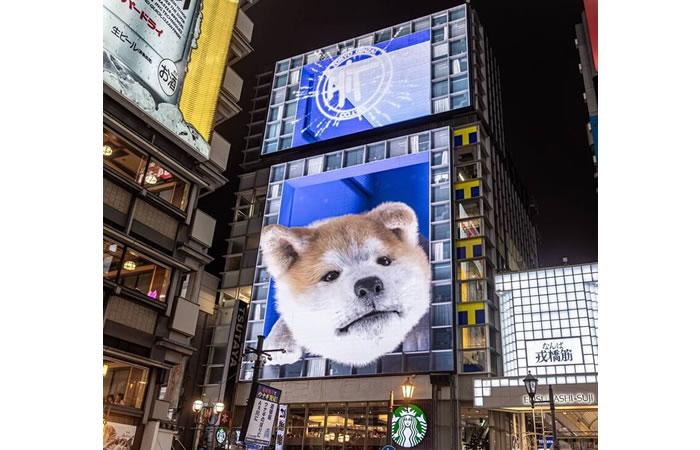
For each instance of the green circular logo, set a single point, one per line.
(220, 436)
(408, 426)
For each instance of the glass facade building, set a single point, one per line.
(478, 221)
(549, 319)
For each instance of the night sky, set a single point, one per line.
(545, 114)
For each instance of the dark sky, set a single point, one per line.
(545, 114)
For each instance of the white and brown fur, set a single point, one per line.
(330, 318)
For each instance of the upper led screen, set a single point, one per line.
(393, 75)
(364, 88)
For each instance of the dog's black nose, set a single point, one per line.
(368, 287)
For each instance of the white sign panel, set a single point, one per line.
(554, 352)
(281, 424)
(152, 37)
(262, 415)
(578, 398)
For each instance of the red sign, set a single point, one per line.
(590, 7)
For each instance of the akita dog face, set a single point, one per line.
(348, 288)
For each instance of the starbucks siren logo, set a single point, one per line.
(408, 426)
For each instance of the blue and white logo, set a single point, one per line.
(354, 83)
(364, 88)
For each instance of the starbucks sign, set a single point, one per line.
(408, 426)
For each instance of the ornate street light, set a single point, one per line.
(218, 407)
(531, 389)
(197, 405)
(407, 389)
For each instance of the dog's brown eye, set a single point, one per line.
(384, 260)
(330, 276)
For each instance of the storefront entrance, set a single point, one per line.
(577, 428)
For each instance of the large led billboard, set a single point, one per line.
(364, 88)
(167, 57)
(393, 75)
(355, 272)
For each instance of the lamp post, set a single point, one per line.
(260, 356)
(531, 389)
(200, 409)
(407, 389)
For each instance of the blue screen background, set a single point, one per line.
(354, 190)
(408, 95)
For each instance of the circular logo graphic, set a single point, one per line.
(167, 76)
(354, 83)
(408, 426)
(220, 436)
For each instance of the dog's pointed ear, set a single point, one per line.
(399, 218)
(281, 247)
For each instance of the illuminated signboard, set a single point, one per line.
(364, 88)
(554, 352)
(357, 243)
(167, 57)
(400, 73)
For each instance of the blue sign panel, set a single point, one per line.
(364, 88)
(594, 131)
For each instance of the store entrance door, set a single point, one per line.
(577, 429)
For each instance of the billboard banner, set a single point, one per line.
(350, 255)
(118, 436)
(363, 88)
(554, 352)
(281, 424)
(261, 416)
(154, 49)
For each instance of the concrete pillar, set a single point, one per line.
(150, 435)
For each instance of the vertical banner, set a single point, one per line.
(281, 425)
(260, 416)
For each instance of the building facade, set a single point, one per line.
(587, 46)
(444, 155)
(549, 319)
(157, 297)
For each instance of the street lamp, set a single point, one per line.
(200, 409)
(531, 389)
(407, 388)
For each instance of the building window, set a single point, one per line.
(112, 255)
(354, 157)
(468, 172)
(121, 157)
(375, 152)
(166, 185)
(135, 271)
(145, 171)
(123, 384)
(471, 270)
(468, 229)
(473, 361)
(332, 162)
(473, 337)
(442, 293)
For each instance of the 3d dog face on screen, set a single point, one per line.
(349, 288)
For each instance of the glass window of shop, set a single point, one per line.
(336, 426)
(166, 185)
(135, 271)
(144, 170)
(123, 384)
